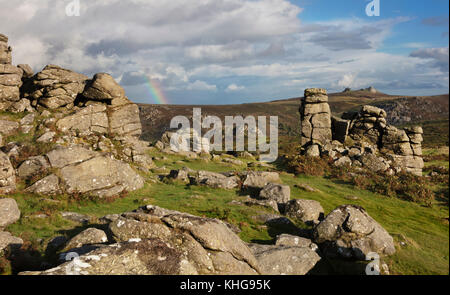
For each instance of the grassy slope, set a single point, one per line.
(425, 229)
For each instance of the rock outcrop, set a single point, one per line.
(73, 115)
(315, 116)
(286, 257)
(216, 180)
(157, 241)
(82, 171)
(323, 134)
(7, 175)
(349, 231)
(186, 141)
(307, 211)
(9, 214)
(10, 76)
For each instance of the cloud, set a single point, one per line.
(219, 53)
(201, 86)
(133, 79)
(194, 48)
(233, 87)
(439, 57)
(346, 81)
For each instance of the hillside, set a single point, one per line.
(430, 111)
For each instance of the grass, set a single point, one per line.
(425, 229)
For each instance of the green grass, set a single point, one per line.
(425, 229)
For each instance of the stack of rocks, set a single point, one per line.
(368, 125)
(10, 76)
(374, 144)
(406, 146)
(55, 87)
(102, 106)
(315, 116)
(5, 51)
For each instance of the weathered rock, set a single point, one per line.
(124, 120)
(103, 87)
(180, 175)
(28, 119)
(277, 192)
(268, 203)
(374, 163)
(343, 161)
(315, 118)
(55, 87)
(27, 70)
(8, 127)
(348, 231)
(313, 151)
(216, 180)
(5, 50)
(48, 185)
(259, 179)
(8, 240)
(412, 164)
(10, 76)
(284, 260)
(100, 176)
(89, 236)
(144, 257)
(32, 166)
(208, 245)
(7, 175)
(46, 137)
(21, 106)
(76, 217)
(136, 150)
(373, 111)
(308, 211)
(295, 241)
(65, 156)
(184, 141)
(9, 212)
(92, 118)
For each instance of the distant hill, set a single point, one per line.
(402, 110)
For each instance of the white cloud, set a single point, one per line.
(346, 81)
(233, 87)
(201, 86)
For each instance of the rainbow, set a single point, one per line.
(156, 92)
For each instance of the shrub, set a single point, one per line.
(403, 185)
(313, 166)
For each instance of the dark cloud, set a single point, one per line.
(120, 47)
(336, 39)
(439, 57)
(133, 79)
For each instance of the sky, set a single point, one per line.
(237, 51)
